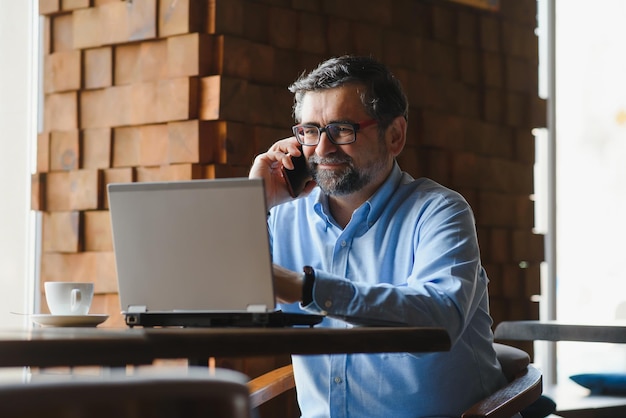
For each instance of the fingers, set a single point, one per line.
(287, 146)
(279, 155)
(268, 166)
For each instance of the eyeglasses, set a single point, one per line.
(339, 133)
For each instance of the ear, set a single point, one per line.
(396, 135)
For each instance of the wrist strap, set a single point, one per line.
(307, 288)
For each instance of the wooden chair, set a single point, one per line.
(571, 399)
(154, 395)
(523, 389)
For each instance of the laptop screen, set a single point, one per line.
(198, 245)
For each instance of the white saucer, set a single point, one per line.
(69, 320)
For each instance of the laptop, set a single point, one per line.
(195, 254)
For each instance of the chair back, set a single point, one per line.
(192, 395)
(512, 360)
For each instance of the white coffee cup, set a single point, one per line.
(69, 298)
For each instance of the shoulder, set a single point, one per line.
(427, 191)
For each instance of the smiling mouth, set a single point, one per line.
(331, 165)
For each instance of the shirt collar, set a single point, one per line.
(382, 196)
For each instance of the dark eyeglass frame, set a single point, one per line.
(355, 126)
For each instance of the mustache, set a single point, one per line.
(336, 159)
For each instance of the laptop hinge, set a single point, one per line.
(256, 308)
(137, 309)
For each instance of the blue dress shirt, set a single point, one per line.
(409, 255)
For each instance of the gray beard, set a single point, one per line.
(345, 182)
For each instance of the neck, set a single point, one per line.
(342, 207)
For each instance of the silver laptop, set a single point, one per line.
(195, 253)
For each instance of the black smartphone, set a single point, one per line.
(297, 178)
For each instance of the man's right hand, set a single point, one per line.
(268, 167)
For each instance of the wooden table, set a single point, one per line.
(610, 332)
(49, 347)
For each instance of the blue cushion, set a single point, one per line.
(602, 383)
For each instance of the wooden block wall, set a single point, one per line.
(187, 89)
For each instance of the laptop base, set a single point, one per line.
(277, 319)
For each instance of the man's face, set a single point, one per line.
(344, 169)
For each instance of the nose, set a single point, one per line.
(325, 147)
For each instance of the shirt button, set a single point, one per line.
(328, 304)
(343, 243)
(337, 380)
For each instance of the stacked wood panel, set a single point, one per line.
(148, 90)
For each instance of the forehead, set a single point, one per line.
(333, 104)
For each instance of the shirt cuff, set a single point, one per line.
(330, 295)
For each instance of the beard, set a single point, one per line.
(348, 179)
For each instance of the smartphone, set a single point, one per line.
(297, 178)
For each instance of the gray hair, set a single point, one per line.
(383, 98)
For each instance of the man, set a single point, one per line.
(379, 247)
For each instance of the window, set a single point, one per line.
(18, 129)
(590, 174)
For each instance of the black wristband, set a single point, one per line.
(307, 288)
